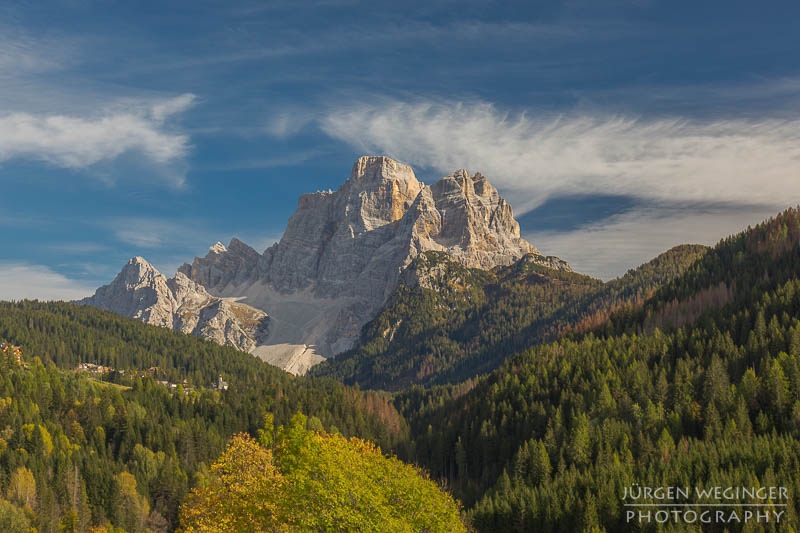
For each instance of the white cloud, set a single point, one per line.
(172, 106)
(286, 159)
(20, 281)
(532, 159)
(284, 125)
(609, 248)
(79, 142)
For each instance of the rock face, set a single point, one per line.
(140, 291)
(235, 264)
(465, 216)
(342, 254)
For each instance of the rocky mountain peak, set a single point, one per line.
(380, 191)
(138, 274)
(343, 252)
(138, 267)
(223, 265)
(141, 292)
(218, 248)
(238, 246)
(466, 217)
(138, 291)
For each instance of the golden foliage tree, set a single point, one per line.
(241, 493)
(132, 506)
(22, 488)
(315, 481)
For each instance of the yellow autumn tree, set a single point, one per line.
(13, 519)
(131, 506)
(241, 493)
(22, 488)
(314, 481)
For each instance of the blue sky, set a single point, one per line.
(615, 129)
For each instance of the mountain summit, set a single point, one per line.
(343, 252)
(140, 291)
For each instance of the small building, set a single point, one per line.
(10, 349)
(95, 369)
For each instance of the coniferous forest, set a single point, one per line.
(536, 397)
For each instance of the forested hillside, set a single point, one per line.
(460, 322)
(123, 449)
(550, 440)
(738, 270)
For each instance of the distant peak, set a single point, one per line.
(238, 246)
(475, 184)
(141, 261)
(374, 160)
(138, 268)
(218, 248)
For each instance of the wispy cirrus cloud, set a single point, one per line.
(22, 53)
(679, 160)
(284, 124)
(77, 248)
(172, 106)
(80, 142)
(152, 232)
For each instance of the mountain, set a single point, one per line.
(342, 255)
(140, 291)
(343, 252)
